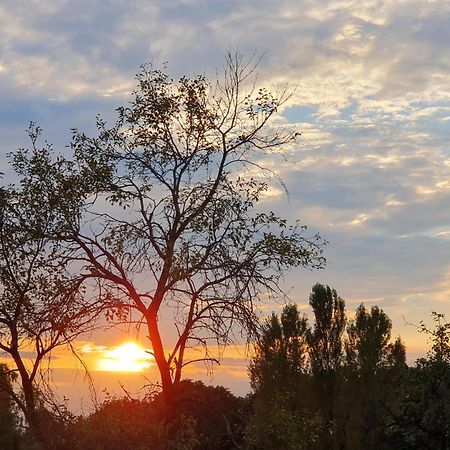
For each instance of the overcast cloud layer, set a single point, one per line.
(372, 99)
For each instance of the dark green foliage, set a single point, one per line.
(325, 395)
(368, 340)
(9, 434)
(440, 339)
(280, 353)
(326, 355)
(160, 208)
(396, 355)
(419, 418)
(373, 367)
(120, 424)
(278, 375)
(276, 425)
(201, 418)
(326, 339)
(219, 416)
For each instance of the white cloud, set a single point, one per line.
(372, 100)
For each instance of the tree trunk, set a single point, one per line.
(160, 358)
(30, 408)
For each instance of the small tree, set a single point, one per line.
(440, 338)
(41, 305)
(163, 210)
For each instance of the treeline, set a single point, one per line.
(333, 384)
(344, 384)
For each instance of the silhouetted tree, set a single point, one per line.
(396, 355)
(280, 353)
(41, 305)
(282, 388)
(309, 393)
(9, 435)
(326, 339)
(419, 416)
(162, 210)
(219, 416)
(368, 339)
(131, 424)
(326, 353)
(374, 367)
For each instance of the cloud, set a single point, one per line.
(371, 97)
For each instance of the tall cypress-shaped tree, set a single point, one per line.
(326, 339)
(326, 352)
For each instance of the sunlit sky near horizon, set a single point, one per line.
(372, 100)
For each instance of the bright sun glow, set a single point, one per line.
(127, 357)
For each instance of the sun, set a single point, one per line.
(128, 357)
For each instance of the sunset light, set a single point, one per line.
(128, 357)
(225, 224)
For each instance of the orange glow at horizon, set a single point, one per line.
(128, 357)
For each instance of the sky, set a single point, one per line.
(371, 96)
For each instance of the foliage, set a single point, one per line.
(219, 416)
(420, 416)
(325, 395)
(161, 209)
(376, 401)
(326, 340)
(120, 424)
(202, 418)
(278, 376)
(42, 304)
(280, 353)
(276, 426)
(368, 339)
(374, 364)
(326, 354)
(9, 433)
(440, 339)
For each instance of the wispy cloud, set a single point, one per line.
(372, 99)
